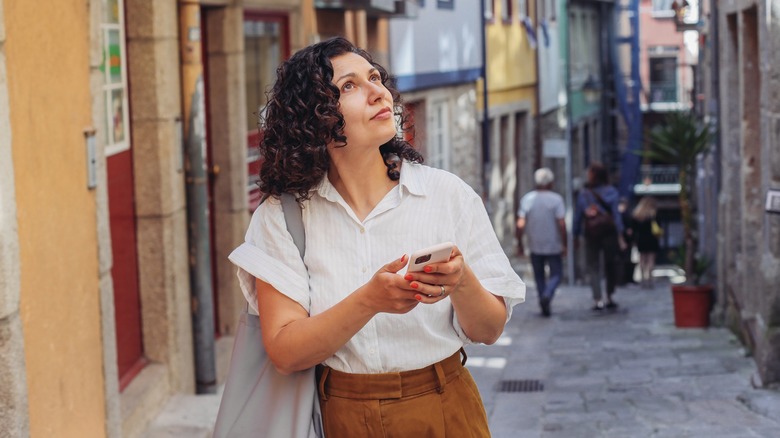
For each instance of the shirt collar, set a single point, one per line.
(411, 179)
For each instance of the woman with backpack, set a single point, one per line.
(597, 218)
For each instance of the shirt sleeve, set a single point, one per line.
(269, 254)
(525, 205)
(485, 256)
(560, 209)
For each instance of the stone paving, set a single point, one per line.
(625, 373)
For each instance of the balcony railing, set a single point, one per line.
(663, 92)
(658, 180)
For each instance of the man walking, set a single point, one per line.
(541, 218)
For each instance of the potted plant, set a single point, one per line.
(678, 142)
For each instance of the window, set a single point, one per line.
(506, 10)
(116, 130)
(663, 79)
(445, 4)
(662, 5)
(522, 8)
(265, 46)
(489, 11)
(663, 8)
(262, 55)
(438, 139)
(547, 9)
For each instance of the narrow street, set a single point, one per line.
(628, 373)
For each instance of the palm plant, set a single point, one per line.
(678, 142)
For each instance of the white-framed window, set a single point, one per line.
(489, 12)
(506, 10)
(439, 135)
(522, 9)
(547, 9)
(663, 74)
(663, 8)
(117, 121)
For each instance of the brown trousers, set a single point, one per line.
(438, 401)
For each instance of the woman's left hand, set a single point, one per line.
(438, 281)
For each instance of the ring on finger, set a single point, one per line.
(443, 291)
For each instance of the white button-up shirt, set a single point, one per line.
(427, 207)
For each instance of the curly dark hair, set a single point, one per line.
(302, 117)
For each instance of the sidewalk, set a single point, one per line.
(628, 373)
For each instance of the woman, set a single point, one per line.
(349, 307)
(598, 195)
(646, 236)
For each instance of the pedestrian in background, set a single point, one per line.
(541, 219)
(646, 234)
(628, 266)
(386, 343)
(602, 249)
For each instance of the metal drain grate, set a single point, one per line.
(520, 386)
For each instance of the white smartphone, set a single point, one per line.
(433, 254)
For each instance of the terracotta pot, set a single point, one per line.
(692, 305)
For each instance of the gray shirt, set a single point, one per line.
(541, 210)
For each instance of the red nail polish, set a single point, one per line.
(403, 258)
(415, 285)
(428, 269)
(418, 297)
(408, 277)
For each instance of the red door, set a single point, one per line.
(121, 199)
(127, 302)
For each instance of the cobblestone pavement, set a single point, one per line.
(625, 373)
(628, 374)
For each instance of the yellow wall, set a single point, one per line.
(48, 73)
(511, 63)
(527, 94)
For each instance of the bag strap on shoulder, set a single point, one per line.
(293, 216)
(601, 201)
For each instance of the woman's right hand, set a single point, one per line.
(388, 292)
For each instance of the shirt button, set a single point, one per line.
(365, 269)
(362, 230)
(372, 352)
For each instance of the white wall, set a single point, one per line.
(437, 40)
(551, 91)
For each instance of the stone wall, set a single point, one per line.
(749, 245)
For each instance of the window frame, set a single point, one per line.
(489, 13)
(112, 147)
(506, 11)
(438, 129)
(522, 9)
(445, 4)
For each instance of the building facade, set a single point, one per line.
(512, 153)
(748, 238)
(110, 159)
(438, 80)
